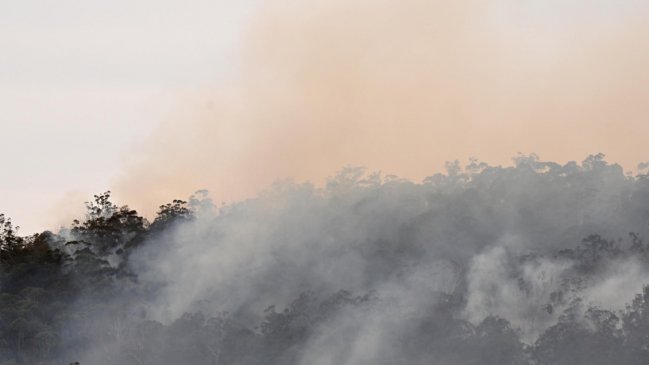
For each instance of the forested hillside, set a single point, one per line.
(538, 263)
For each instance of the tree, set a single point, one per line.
(635, 324)
(107, 228)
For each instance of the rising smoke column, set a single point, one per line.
(402, 87)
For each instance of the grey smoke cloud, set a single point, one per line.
(489, 263)
(490, 235)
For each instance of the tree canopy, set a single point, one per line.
(481, 265)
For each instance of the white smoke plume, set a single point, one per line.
(484, 241)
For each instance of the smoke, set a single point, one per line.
(507, 240)
(410, 265)
(402, 87)
(481, 264)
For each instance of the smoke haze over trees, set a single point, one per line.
(538, 263)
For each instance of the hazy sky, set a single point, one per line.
(82, 81)
(155, 99)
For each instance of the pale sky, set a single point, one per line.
(82, 81)
(155, 99)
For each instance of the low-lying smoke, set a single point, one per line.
(539, 263)
(471, 245)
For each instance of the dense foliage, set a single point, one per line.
(482, 265)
